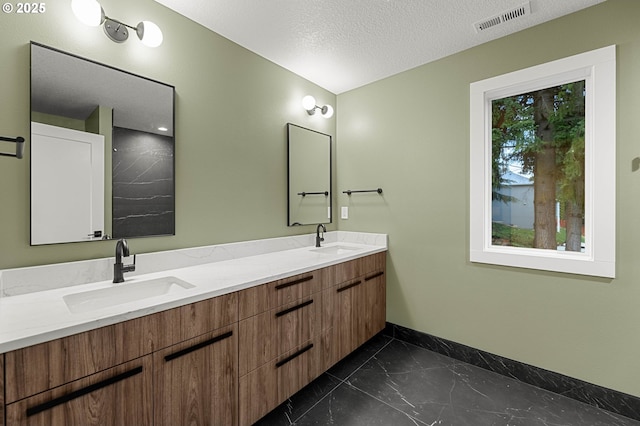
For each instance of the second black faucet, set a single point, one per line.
(318, 237)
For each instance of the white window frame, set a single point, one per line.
(598, 69)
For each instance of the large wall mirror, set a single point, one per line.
(309, 192)
(102, 151)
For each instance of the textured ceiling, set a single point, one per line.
(69, 86)
(344, 44)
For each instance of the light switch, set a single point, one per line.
(344, 212)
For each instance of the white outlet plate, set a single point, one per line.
(344, 212)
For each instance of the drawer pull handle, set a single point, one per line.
(347, 287)
(376, 275)
(81, 392)
(198, 346)
(293, 356)
(294, 308)
(294, 282)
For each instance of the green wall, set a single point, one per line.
(409, 134)
(232, 107)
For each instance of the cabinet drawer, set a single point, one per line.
(374, 264)
(343, 272)
(188, 321)
(265, 388)
(262, 298)
(265, 336)
(118, 396)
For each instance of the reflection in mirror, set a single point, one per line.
(102, 151)
(309, 191)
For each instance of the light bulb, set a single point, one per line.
(149, 34)
(327, 111)
(308, 102)
(89, 12)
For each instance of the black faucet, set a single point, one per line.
(122, 249)
(318, 237)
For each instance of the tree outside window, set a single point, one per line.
(540, 136)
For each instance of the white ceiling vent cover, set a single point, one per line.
(506, 16)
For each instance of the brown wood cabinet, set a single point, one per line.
(120, 395)
(49, 372)
(354, 309)
(39, 368)
(268, 386)
(279, 328)
(63, 360)
(228, 360)
(326, 315)
(196, 381)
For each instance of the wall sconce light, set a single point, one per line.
(89, 12)
(309, 104)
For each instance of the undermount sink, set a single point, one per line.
(117, 294)
(335, 249)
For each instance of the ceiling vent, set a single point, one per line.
(506, 16)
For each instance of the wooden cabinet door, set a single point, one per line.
(196, 381)
(341, 337)
(118, 396)
(373, 301)
(355, 310)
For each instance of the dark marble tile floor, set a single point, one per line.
(390, 382)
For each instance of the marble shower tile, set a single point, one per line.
(143, 189)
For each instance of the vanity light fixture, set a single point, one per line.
(91, 13)
(309, 104)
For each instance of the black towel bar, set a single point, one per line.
(19, 141)
(304, 194)
(349, 191)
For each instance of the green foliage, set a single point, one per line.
(514, 128)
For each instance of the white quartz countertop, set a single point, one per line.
(42, 316)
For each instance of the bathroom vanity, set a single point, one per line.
(227, 358)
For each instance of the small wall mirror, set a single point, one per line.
(102, 151)
(309, 184)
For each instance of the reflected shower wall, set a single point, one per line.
(143, 185)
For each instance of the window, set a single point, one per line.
(543, 166)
